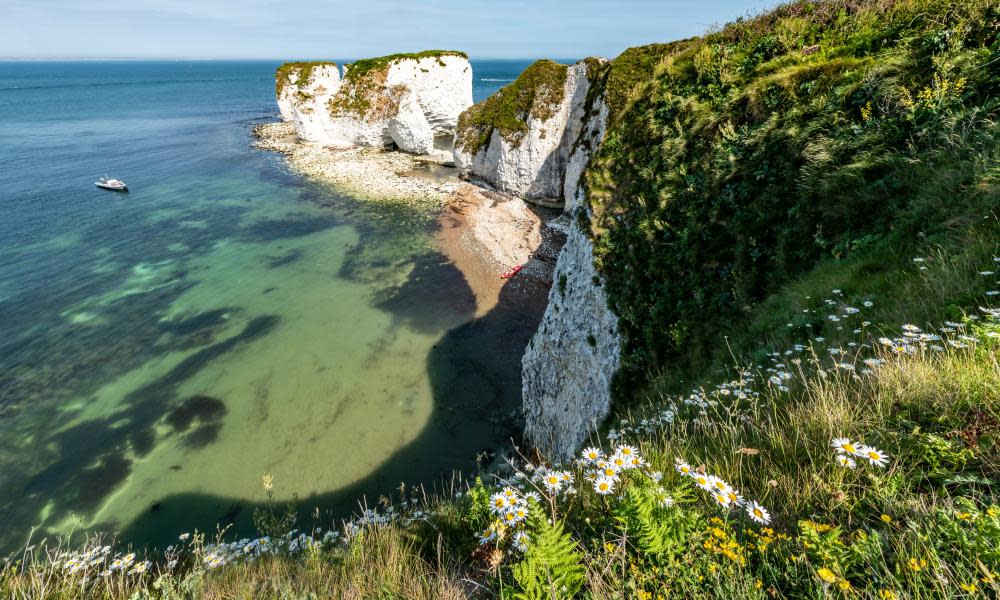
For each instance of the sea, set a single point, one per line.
(162, 350)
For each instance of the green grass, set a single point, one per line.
(302, 70)
(745, 163)
(536, 93)
(362, 68)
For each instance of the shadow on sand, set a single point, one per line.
(475, 373)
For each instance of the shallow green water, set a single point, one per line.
(161, 350)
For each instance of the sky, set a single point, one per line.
(304, 29)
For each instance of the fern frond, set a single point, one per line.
(552, 567)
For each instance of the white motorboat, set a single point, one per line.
(115, 185)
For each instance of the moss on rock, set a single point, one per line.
(536, 93)
(303, 71)
(364, 93)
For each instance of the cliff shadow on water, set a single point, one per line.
(475, 376)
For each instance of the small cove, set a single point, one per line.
(161, 350)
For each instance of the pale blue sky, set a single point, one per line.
(294, 29)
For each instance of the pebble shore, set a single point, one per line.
(483, 232)
(365, 173)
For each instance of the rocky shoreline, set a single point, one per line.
(366, 173)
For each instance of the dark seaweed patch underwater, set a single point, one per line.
(161, 350)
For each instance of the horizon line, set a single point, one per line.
(246, 59)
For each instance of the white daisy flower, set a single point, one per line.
(591, 454)
(609, 471)
(552, 482)
(627, 450)
(719, 485)
(874, 456)
(845, 446)
(683, 468)
(721, 499)
(758, 513)
(703, 481)
(846, 461)
(521, 541)
(604, 485)
(620, 462)
(499, 503)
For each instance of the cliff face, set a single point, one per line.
(519, 141)
(303, 89)
(569, 364)
(408, 100)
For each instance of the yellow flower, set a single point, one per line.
(643, 595)
(844, 584)
(758, 584)
(917, 565)
(887, 594)
(886, 518)
(969, 587)
(826, 575)
(964, 516)
(993, 511)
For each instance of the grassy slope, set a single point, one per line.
(836, 204)
(746, 162)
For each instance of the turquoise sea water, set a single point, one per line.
(161, 350)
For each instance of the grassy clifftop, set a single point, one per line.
(364, 92)
(302, 71)
(821, 131)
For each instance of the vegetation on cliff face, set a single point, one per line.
(360, 69)
(536, 93)
(301, 70)
(364, 92)
(842, 130)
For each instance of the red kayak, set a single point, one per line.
(512, 272)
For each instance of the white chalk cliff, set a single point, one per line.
(409, 101)
(568, 367)
(304, 89)
(530, 163)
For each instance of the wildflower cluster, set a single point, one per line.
(847, 450)
(98, 560)
(249, 549)
(604, 472)
(511, 508)
(724, 494)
